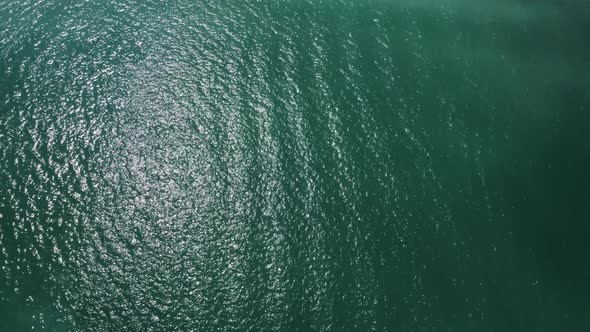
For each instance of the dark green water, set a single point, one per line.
(386, 165)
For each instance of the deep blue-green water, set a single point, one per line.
(294, 165)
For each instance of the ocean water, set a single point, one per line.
(294, 165)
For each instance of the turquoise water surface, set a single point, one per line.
(294, 165)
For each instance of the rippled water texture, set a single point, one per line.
(302, 165)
